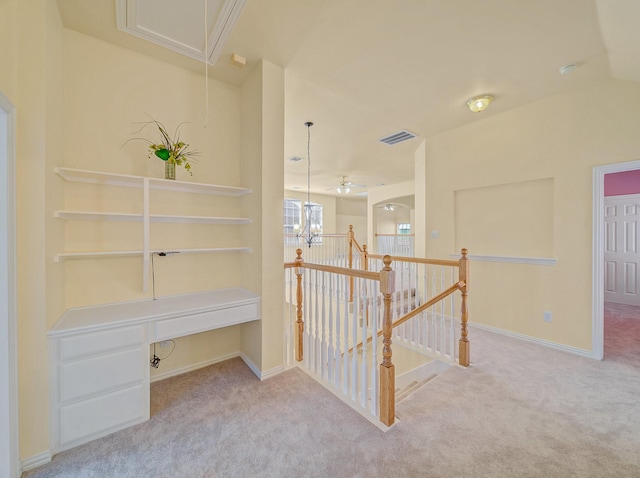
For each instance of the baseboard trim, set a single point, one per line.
(35, 461)
(192, 367)
(262, 375)
(535, 340)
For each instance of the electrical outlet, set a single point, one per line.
(167, 343)
(547, 316)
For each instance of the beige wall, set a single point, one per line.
(560, 138)
(262, 106)
(8, 48)
(76, 101)
(107, 91)
(38, 99)
(352, 212)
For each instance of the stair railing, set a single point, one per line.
(328, 324)
(339, 310)
(422, 285)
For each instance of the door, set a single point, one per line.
(622, 251)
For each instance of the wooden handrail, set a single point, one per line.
(394, 235)
(419, 260)
(319, 235)
(418, 310)
(336, 270)
(359, 249)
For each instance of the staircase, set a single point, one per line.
(409, 382)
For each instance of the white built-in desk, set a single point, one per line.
(99, 357)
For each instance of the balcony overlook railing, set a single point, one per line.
(342, 312)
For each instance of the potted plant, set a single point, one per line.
(171, 149)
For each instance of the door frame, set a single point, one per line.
(9, 451)
(597, 268)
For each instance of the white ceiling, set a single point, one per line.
(364, 69)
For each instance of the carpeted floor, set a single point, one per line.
(520, 410)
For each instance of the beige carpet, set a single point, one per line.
(521, 410)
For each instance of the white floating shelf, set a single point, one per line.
(101, 254)
(129, 217)
(199, 219)
(98, 216)
(94, 255)
(206, 250)
(113, 179)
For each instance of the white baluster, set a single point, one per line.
(316, 333)
(364, 335)
(452, 319)
(345, 362)
(374, 350)
(331, 351)
(306, 315)
(288, 317)
(323, 345)
(432, 313)
(354, 341)
(443, 329)
(338, 361)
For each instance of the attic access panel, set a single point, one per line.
(180, 26)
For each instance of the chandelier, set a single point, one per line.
(310, 231)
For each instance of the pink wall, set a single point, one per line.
(626, 182)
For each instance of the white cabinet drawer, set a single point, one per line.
(192, 324)
(99, 374)
(89, 419)
(97, 342)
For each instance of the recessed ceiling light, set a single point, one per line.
(479, 103)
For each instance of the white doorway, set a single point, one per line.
(9, 455)
(598, 244)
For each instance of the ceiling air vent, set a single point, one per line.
(398, 137)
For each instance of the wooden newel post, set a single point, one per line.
(463, 357)
(387, 369)
(299, 322)
(350, 257)
(365, 258)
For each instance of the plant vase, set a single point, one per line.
(169, 170)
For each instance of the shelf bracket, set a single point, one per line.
(145, 236)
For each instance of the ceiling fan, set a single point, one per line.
(390, 206)
(344, 186)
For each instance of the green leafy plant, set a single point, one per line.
(169, 148)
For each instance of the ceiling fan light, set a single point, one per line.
(479, 103)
